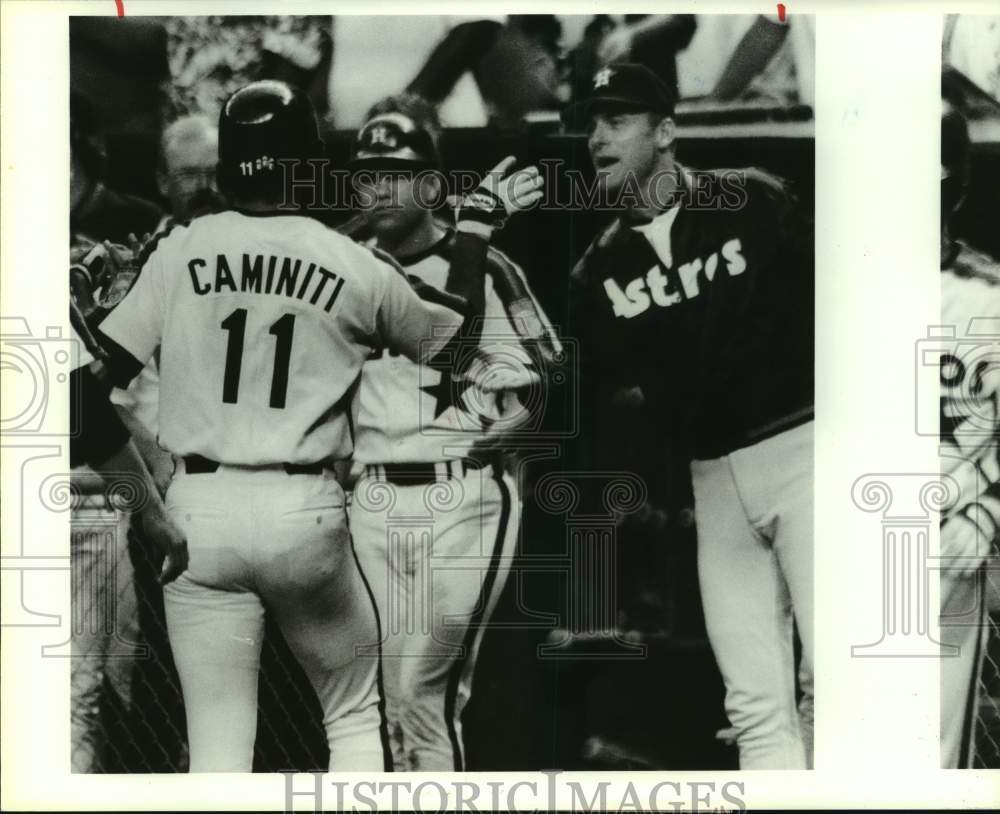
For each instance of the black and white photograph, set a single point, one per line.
(468, 367)
(512, 411)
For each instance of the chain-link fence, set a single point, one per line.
(127, 711)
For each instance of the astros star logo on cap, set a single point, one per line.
(602, 78)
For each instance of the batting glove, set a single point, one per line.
(499, 196)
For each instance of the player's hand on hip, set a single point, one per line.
(171, 540)
(499, 196)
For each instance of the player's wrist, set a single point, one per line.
(479, 210)
(475, 227)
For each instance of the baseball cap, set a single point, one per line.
(393, 141)
(626, 85)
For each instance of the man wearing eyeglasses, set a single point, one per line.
(189, 151)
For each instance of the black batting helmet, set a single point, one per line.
(260, 125)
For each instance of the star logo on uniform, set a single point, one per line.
(447, 392)
(603, 78)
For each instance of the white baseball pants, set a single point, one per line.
(437, 556)
(262, 537)
(754, 515)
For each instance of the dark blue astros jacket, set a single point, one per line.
(709, 308)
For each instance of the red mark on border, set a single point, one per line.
(781, 12)
(120, 4)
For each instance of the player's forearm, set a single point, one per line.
(152, 453)
(426, 331)
(480, 214)
(441, 299)
(467, 272)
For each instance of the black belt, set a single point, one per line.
(418, 474)
(199, 465)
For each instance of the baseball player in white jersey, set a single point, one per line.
(434, 513)
(263, 320)
(970, 456)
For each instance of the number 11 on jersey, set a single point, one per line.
(282, 330)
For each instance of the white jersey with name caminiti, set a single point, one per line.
(263, 322)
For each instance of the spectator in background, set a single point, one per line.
(98, 213)
(120, 66)
(653, 40)
(736, 56)
(189, 153)
(210, 57)
(476, 71)
(375, 57)
(515, 65)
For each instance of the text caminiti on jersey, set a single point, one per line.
(265, 343)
